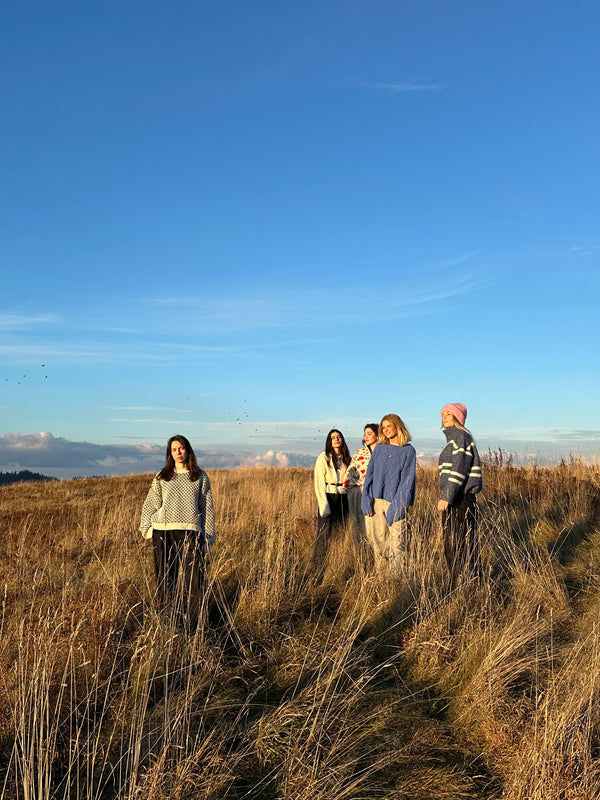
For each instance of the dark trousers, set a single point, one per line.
(179, 569)
(461, 543)
(338, 505)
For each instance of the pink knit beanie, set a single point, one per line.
(458, 410)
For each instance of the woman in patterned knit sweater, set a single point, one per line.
(330, 471)
(355, 476)
(460, 481)
(178, 515)
(388, 492)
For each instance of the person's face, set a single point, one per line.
(389, 430)
(369, 436)
(336, 441)
(179, 453)
(447, 419)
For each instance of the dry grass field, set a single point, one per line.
(349, 687)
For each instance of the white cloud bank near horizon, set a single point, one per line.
(61, 458)
(58, 457)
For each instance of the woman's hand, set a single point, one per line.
(442, 505)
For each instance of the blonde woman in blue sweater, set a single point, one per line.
(388, 492)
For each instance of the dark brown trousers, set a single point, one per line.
(461, 542)
(179, 569)
(338, 505)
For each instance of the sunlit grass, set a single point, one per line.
(349, 687)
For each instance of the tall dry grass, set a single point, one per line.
(296, 688)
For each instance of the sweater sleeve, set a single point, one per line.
(152, 503)
(405, 492)
(320, 485)
(206, 508)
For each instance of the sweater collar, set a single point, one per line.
(449, 432)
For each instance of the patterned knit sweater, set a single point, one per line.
(179, 504)
(459, 466)
(357, 468)
(390, 476)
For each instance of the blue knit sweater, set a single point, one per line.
(390, 476)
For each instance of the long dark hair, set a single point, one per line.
(167, 471)
(330, 452)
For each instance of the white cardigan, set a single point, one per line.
(326, 476)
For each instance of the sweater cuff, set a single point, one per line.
(448, 496)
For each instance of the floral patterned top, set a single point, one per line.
(357, 469)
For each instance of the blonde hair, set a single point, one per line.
(457, 424)
(403, 434)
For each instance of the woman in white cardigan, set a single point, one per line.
(330, 471)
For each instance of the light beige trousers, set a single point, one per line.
(388, 541)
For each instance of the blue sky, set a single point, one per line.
(250, 222)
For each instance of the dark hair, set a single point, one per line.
(374, 427)
(330, 452)
(167, 471)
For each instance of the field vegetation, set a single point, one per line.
(345, 687)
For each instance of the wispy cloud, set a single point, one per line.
(294, 427)
(300, 436)
(154, 421)
(585, 248)
(536, 433)
(401, 87)
(22, 351)
(455, 261)
(149, 352)
(466, 286)
(152, 408)
(310, 308)
(11, 320)
(585, 435)
(217, 325)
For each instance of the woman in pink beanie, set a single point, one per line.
(460, 481)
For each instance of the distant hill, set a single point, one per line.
(22, 477)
